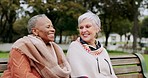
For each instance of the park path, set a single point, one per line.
(7, 47)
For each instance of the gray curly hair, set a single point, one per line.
(32, 22)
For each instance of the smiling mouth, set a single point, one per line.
(51, 34)
(85, 35)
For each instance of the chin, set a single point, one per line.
(51, 40)
(86, 40)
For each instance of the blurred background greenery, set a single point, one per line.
(117, 16)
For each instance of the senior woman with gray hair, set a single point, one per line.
(36, 55)
(87, 57)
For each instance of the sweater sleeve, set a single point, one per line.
(19, 66)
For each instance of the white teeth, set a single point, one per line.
(85, 34)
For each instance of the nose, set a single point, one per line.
(52, 29)
(84, 29)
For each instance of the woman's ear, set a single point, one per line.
(35, 31)
(99, 29)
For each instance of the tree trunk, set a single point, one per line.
(60, 41)
(135, 33)
(120, 38)
(106, 41)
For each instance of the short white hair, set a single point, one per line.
(91, 16)
(33, 20)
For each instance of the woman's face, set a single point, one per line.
(44, 29)
(87, 31)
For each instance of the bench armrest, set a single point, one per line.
(143, 64)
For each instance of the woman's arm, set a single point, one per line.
(19, 66)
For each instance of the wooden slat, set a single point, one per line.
(127, 69)
(125, 61)
(3, 67)
(125, 66)
(3, 64)
(137, 75)
(3, 60)
(122, 56)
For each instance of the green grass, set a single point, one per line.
(112, 52)
(4, 54)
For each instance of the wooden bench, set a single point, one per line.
(129, 66)
(125, 66)
(3, 64)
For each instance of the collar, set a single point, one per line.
(98, 45)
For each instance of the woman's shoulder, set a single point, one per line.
(20, 42)
(74, 43)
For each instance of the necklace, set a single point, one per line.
(95, 52)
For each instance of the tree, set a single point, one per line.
(144, 28)
(67, 25)
(8, 16)
(122, 26)
(110, 12)
(20, 27)
(62, 13)
(68, 20)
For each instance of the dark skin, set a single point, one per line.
(44, 29)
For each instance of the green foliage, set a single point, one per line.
(122, 26)
(64, 14)
(144, 28)
(8, 13)
(20, 27)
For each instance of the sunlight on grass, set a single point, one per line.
(4, 54)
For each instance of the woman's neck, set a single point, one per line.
(92, 43)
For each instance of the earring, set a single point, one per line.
(36, 35)
(97, 35)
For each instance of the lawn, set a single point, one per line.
(4, 54)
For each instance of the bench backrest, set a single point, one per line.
(129, 66)
(125, 66)
(3, 64)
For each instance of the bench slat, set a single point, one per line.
(125, 66)
(3, 60)
(131, 76)
(3, 67)
(127, 69)
(126, 61)
(122, 56)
